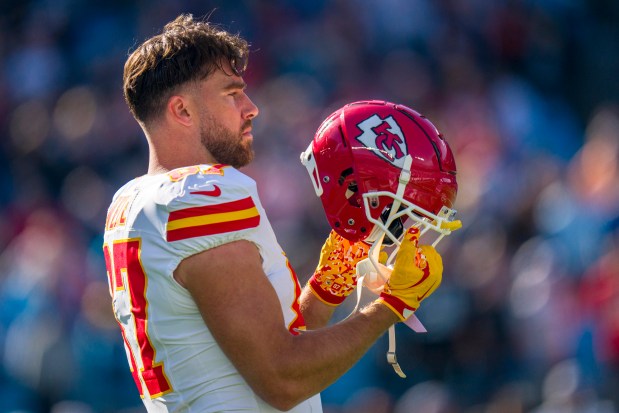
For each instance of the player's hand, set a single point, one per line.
(335, 276)
(417, 272)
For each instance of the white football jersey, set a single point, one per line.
(153, 223)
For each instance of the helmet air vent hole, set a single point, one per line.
(374, 202)
(343, 175)
(351, 221)
(326, 179)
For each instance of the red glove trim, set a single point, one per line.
(395, 304)
(324, 296)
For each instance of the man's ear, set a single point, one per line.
(179, 111)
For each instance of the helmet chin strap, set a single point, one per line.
(405, 177)
(372, 274)
(379, 273)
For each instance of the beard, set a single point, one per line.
(226, 146)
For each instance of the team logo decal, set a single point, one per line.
(385, 138)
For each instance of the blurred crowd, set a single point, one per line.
(526, 93)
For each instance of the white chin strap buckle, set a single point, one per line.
(414, 323)
(391, 357)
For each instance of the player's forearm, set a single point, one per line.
(315, 313)
(317, 358)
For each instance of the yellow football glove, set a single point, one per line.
(335, 276)
(417, 272)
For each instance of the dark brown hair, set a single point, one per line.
(186, 50)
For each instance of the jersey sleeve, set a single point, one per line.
(207, 211)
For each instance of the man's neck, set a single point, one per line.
(164, 159)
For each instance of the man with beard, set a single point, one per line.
(211, 312)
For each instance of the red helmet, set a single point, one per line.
(374, 164)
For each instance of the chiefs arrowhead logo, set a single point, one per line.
(385, 138)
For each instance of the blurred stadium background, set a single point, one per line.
(527, 94)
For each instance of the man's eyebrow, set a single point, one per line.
(235, 85)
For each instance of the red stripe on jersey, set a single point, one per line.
(232, 206)
(212, 229)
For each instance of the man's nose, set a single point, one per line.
(252, 110)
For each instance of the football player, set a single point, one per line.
(210, 310)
